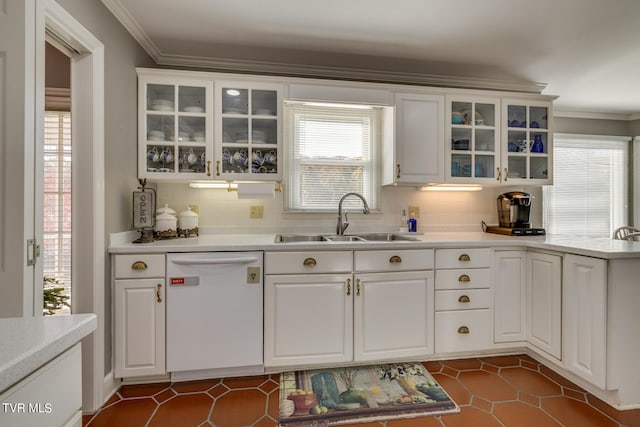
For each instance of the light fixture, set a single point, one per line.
(450, 187)
(230, 186)
(233, 92)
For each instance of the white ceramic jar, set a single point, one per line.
(165, 210)
(166, 222)
(187, 220)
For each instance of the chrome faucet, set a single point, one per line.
(342, 225)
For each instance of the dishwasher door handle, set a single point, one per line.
(215, 261)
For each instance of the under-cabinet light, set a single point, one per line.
(213, 184)
(451, 188)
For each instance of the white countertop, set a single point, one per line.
(30, 342)
(595, 247)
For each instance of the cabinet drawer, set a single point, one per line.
(463, 258)
(143, 265)
(308, 262)
(463, 330)
(464, 278)
(392, 260)
(463, 299)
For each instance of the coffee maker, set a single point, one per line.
(514, 209)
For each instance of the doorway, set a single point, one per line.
(56, 248)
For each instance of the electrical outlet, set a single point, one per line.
(195, 209)
(415, 210)
(256, 211)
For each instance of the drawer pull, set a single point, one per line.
(464, 298)
(464, 257)
(348, 286)
(463, 330)
(464, 279)
(158, 296)
(309, 262)
(139, 265)
(217, 167)
(208, 167)
(358, 287)
(398, 171)
(395, 259)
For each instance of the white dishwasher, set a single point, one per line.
(214, 314)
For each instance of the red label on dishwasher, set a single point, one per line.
(184, 281)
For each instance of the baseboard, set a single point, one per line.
(216, 373)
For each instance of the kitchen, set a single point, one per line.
(438, 211)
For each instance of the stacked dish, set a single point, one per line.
(162, 105)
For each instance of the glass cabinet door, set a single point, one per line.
(250, 131)
(528, 141)
(176, 128)
(473, 151)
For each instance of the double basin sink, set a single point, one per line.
(362, 237)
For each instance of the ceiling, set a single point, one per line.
(587, 52)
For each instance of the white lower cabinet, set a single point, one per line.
(329, 316)
(584, 297)
(544, 302)
(463, 315)
(308, 319)
(393, 315)
(139, 315)
(509, 292)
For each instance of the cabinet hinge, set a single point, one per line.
(33, 251)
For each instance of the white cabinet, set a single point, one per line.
(417, 154)
(527, 142)
(320, 309)
(139, 315)
(544, 302)
(308, 319)
(584, 297)
(393, 315)
(175, 125)
(248, 131)
(463, 315)
(499, 140)
(509, 296)
(472, 140)
(50, 396)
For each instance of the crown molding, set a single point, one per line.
(595, 116)
(131, 25)
(312, 71)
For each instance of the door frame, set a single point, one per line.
(88, 183)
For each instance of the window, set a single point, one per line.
(57, 199)
(590, 192)
(331, 150)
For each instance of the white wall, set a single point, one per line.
(221, 211)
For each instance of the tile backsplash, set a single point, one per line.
(222, 211)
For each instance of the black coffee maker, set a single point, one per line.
(514, 209)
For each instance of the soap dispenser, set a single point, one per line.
(412, 223)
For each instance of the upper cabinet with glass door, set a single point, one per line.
(175, 125)
(527, 142)
(473, 140)
(248, 131)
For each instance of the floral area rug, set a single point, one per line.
(340, 396)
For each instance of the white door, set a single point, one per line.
(584, 296)
(509, 296)
(544, 293)
(393, 315)
(17, 145)
(308, 319)
(139, 327)
(419, 152)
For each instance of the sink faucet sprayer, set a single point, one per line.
(342, 225)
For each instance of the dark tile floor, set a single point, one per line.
(505, 391)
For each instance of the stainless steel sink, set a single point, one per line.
(385, 237)
(363, 237)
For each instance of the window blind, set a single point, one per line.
(590, 192)
(331, 150)
(56, 246)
